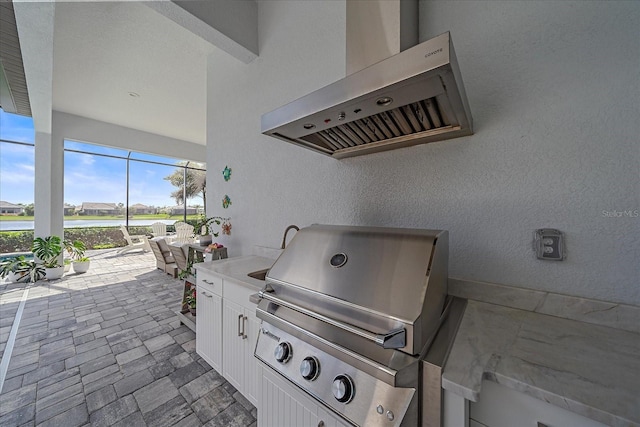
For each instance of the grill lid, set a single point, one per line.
(377, 279)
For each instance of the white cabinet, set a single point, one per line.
(500, 406)
(252, 371)
(233, 343)
(209, 324)
(283, 404)
(239, 336)
(227, 331)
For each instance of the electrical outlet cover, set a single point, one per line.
(549, 244)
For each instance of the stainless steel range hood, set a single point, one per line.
(414, 97)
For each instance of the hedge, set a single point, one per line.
(93, 238)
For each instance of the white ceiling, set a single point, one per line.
(104, 50)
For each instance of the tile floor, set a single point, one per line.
(104, 348)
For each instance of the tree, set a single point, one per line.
(28, 209)
(196, 183)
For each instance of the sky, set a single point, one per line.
(87, 178)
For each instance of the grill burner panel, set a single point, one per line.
(364, 388)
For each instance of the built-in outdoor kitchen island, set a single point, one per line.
(520, 357)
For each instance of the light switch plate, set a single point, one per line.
(549, 244)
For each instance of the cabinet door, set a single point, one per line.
(209, 327)
(283, 406)
(252, 374)
(233, 346)
(500, 406)
(327, 419)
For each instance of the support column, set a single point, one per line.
(49, 186)
(35, 22)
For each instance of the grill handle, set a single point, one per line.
(396, 338)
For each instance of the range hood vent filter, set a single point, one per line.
(411, 98)
(401, 122)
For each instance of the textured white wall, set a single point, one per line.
(554, 90)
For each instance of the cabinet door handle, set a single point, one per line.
(244, 327)
(206, 294)
(320, 423)
(240, 316)
(208, 282)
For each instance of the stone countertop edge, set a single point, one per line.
(588, 369)
(236, 269)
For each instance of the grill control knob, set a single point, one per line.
(283, 352)
(310, 368)
(343, 388)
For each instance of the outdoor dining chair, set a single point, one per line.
(164, 258)
(180, 255)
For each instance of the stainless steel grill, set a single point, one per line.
(350, 315)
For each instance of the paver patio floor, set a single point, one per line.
(105, 348)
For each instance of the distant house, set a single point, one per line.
(140, 209)
(7, 208)
(179, 210)
(91, 208)
(69, 209)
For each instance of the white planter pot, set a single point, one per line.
(14, 277)
(81, 266)
(54, 273)
(206, 240)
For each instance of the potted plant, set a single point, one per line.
(183, 274)
(204, 228)
(48, 250)
(190, 299)
(19, 269)
(67, 265)
(31, 272)
(76, 250)
(9, 268)
(81, 265)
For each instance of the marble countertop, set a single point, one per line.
(589, 369)
(236, 269)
